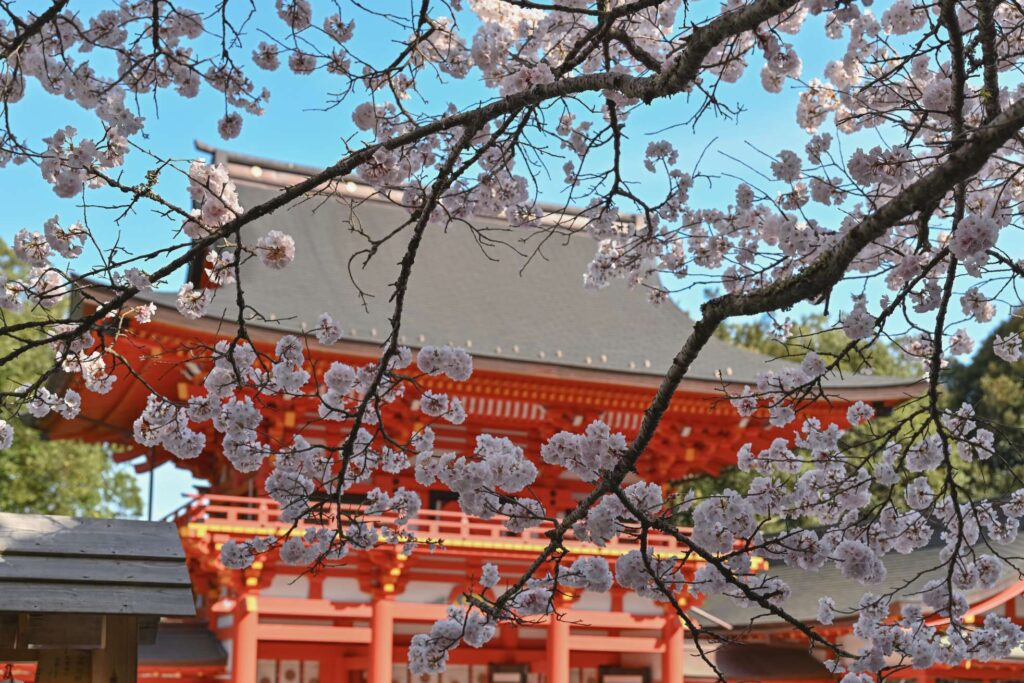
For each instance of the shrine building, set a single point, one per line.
(768, 647)
(549, 355)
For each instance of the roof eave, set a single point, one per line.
(262, 332)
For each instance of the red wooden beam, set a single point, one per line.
(1003, 596)
(303, 607)
(614, 644)
(623, 620)
(411, 611)
(302, 633)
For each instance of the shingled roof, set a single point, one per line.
(469, 287)
(51, 564)
(183, 644)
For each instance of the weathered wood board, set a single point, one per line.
(65, 565)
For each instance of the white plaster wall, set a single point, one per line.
(411, 628)
(593, 601)
(343, 589)
(634, 604)
(456, 673)
(266, 671)
(643, 660)
(285, 586)
(428, 592)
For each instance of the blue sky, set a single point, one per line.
(296, 128)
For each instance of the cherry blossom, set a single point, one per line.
(859, 324)
(327, 331)
(6, 434)
(1008, 347)
(276, 249)
(192, 302)
(899, 187)
(489, 577)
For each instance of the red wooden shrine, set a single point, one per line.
(548, 356)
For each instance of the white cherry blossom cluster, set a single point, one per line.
(498, 467)
(241, 378)
(214, 196)
(429, 652)
(44, 402)
(585, 455)
(45, 285)
(610, 517)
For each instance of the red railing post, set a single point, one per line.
(263, 516)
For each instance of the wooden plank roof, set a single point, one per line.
(95, 566)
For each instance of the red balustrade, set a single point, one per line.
(240, 514)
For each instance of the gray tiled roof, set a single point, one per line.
(183, 644)
(502, 292)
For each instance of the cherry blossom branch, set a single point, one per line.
(33, 28)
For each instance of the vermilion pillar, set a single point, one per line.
(382, 629)
(558, 651)
(245, 641)
(672, 654)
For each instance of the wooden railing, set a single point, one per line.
(242, 515)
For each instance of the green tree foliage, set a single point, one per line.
(994, 387)
(810, 334)
(65, 477)
(996, 390)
